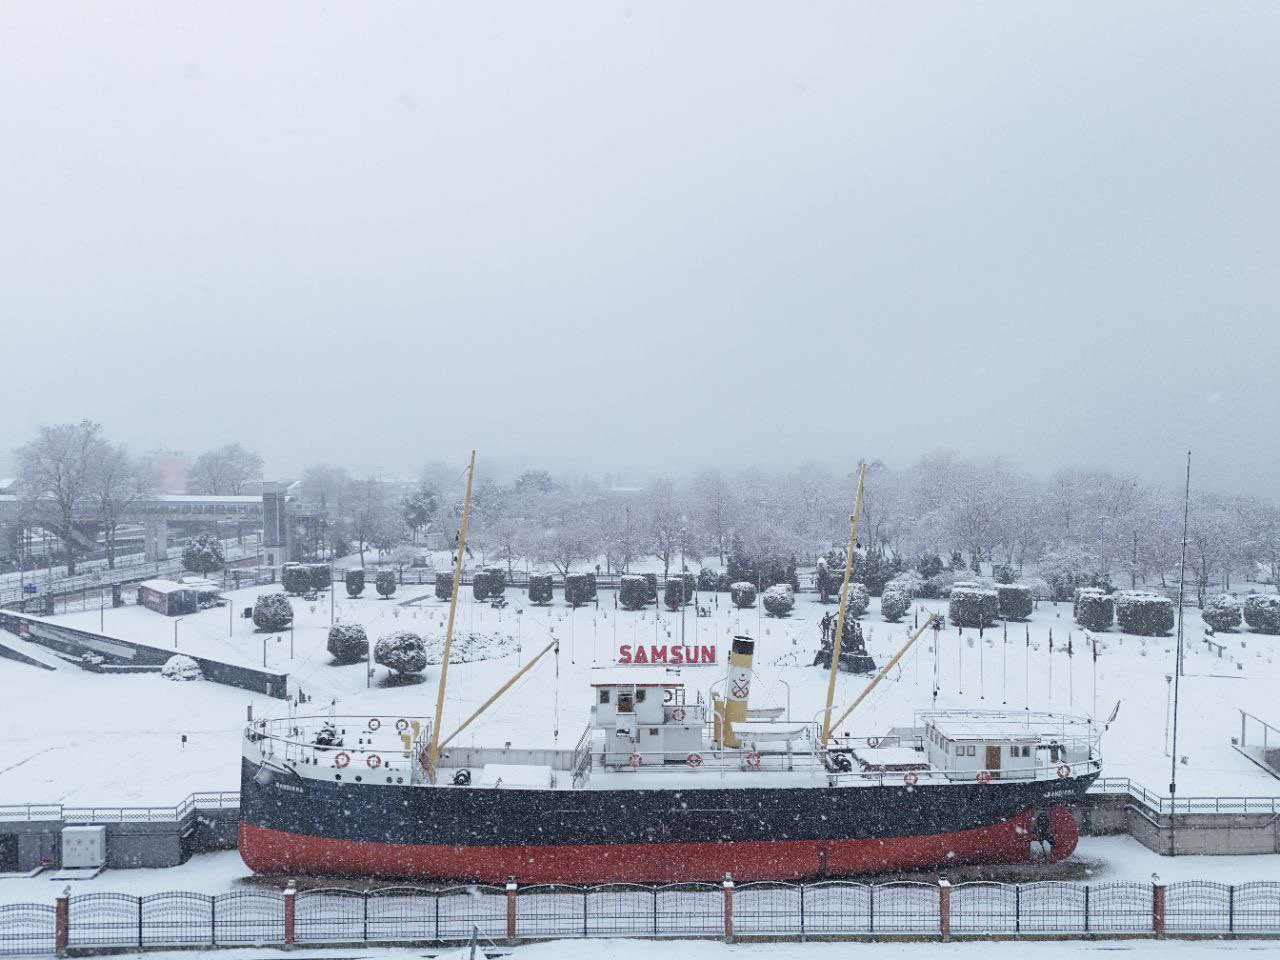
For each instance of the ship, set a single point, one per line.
(667, 784)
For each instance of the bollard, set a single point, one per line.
(62, 918)
(289, 894)
(728, 908)
(944, 908)
(511, 910)
(1157, 909)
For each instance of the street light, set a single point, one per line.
(176, 621)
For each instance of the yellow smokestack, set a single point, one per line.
(737, 692)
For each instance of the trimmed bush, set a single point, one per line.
(779, 599)
(633, 592)
(321, 576)
(690, 583)
(894, 603)
(1015, 601)
(743, 595)
(385, 582)
(444, 585)
(272, 612)
(1003, 573)
(497, 581)
(1094, 610)
(711, 581)
(348, 643)
(593, 589)
(401, 651)
(295, 579)
(673, 593)
(541, 589)
(1222, 612)
(1144, 614)
(972, 605)
(857, 601)
(651, 588)
(577, 589)
(181, 668)
(354, 580)
(1262, 612)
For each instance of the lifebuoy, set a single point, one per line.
(694, 760)
(340, 760)
(402, 725)
(873, 742)
(753, 760)
(635, 760)
(983, 777)
(374, 761)
(677, 714)
(374, 723)
(910, 778)
(1063, 772)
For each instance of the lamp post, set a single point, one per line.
(176, 621)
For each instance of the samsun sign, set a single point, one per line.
(667, 653)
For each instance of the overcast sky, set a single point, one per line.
(647, 237)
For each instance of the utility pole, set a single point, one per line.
(1177, 674)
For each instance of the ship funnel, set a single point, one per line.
(733, 709)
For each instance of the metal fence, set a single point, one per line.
(116, 921)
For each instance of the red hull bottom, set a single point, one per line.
(1011, 841)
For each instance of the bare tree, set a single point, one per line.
(226, 471)
(56, 476)
(119, 482)
(372, 521)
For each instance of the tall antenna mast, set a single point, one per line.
(844, 600)
(434, 752)
(1177, 673)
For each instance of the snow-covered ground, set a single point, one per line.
(82, 738)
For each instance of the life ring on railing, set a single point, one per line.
(1063, 772)
(677, 714)
(910, 778)
(340, 760)
(374, 761)
(983, 776)
(402, 725)
(873, 742)
(753, 760)
(635, 760)
(694, 759)
(374, 723)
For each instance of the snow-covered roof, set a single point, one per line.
(634, 676)
(203, 498)
(998, 725)
(166, 586)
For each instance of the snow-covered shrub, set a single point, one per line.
(1146, 614)
(1222, 612)
(577, 589)
(385, 582)
(651, 587)
(541, 589)
(321, 576)
(295, 578)
(743, 595)
(593, 589)
(444, 585)
(779, 599)
(1039, 587)
(181, 668)
(939, 585)
(894, 603)
(272, 612)
(908, 582)
(348, 643)
(401, 651)
(673, 593)
(1262, 612)
(497, 581)
(1094, 610)
(482, 585)
(1015, 601)
(973, 605)
(1003, 573)
(203, 554)
(633, 592)
(354, 580)
(858, 599)
(712, 581)
(928, 565)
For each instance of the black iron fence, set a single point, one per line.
(116, 921)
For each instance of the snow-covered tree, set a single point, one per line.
(348, 643)
(1262, 612)
(203, 554)
(743, 594)
(894, 603)
(354, 581)
(272, 612)
(1094, 610)
(1223, 612)
(541, 589)
(402, 651)
(385, 582)
(779, 599)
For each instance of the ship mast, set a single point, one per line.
(434, 752)
(929, 620)
(844, 599)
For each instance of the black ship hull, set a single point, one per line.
(291, 824)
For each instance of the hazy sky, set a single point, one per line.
(647, 237)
